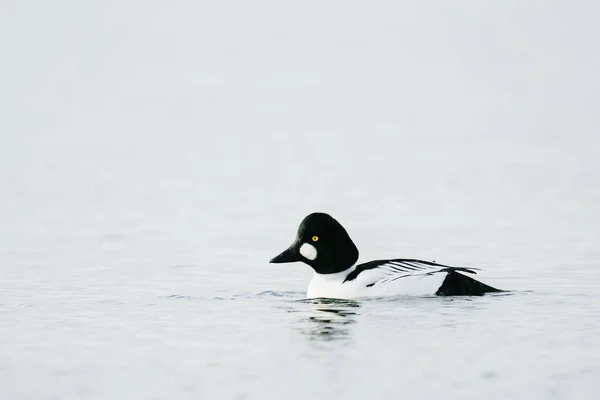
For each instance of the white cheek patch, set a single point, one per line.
(308, 251)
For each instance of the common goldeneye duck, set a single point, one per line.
(323, 243)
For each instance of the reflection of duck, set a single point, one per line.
(325, 245)
(331, 318)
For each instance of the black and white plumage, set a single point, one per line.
(325, 245)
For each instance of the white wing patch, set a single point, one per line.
(391, 271)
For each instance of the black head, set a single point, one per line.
(323, 244)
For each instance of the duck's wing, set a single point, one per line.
(401, 268)
(442, 279)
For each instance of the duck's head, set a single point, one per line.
(322, 243)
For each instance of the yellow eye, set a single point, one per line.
(315, 238)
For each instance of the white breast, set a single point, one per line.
(380, 284)
(330, 285)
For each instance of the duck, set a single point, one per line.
(324, 244)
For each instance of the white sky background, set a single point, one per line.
(307, 103)
(277, 67)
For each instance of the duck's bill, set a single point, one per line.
(292, 254)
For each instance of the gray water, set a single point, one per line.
(154, 157)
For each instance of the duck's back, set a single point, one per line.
(397, 277)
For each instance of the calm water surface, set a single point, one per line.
(153, 159)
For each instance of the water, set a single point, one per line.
(154, 157)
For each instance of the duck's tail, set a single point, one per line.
(457, 284)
